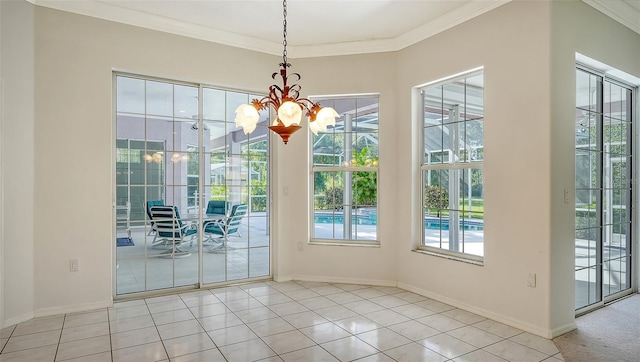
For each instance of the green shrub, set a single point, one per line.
(334, 198)
(436, 197)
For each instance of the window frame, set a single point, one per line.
(343, 169)
(466, 164)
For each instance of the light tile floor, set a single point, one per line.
(269, 321)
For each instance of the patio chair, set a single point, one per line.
(221, 229)
(150, 204)
(123, 217)
(170, 229)
(218, 207)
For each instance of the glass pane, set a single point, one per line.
(159, 273)
(129, 127)
(586, 287)
(258, 229)
(160, 130)
(474, 105)
(130, 274)
(237, 264)
(364, 188)
(213, 105)
(434, 145)
(159, 98)
(328, 190)
(259, 265)
(583, 89)
(214, 266)
(186, 102)
(233, 101)
(130, 95)
(595, 93)
(453, 96)
(366, 144)
(473, 141)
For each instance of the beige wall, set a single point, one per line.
(529, 97)
(512, 43)
(17, 143)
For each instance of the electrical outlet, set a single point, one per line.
(74, 265)
(300, 246)
(531, 281)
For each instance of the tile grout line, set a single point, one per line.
(55, 355)
(109, 331)
(146, 304)
(8, 338)
(201, 326)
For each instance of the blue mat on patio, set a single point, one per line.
(124, 242)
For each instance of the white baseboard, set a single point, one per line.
(282, 278)
(84, 307)
(17, 319)
(564, 329)
(316, 278)
(542, 332)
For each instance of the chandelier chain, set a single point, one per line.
(284, 33)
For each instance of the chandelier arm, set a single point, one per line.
(279, 98)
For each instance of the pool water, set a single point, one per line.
(437, 224)
(429, 223)
(339, 219)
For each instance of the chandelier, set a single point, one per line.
(287, 102)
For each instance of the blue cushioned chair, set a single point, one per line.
(218, 207)
(150, 204)
(170, 229)
(226, 226)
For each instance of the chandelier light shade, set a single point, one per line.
(247, 117)
(286, 100)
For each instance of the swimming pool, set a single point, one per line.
(437, 224)
(370, 219)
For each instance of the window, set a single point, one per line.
(345, 173)
(452, 166)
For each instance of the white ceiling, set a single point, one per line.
(315, 27)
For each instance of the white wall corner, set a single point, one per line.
(17, 319)
(563, 329)
(282, 278)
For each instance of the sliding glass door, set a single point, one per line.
(603, 189)
(176, 150)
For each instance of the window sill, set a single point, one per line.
(366, 244)
(461, 258)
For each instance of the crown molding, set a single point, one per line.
(447, 21)
(619, 11)
(108, 11)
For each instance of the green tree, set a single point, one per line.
(365, 183)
